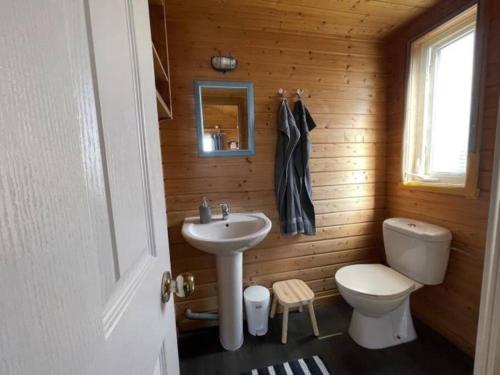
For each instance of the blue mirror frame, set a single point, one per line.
(198, 86)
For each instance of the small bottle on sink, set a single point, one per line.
(205, 212)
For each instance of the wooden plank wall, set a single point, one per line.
(344, 81)
(451, 308)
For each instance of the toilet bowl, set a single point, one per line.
(417, 254)
(379, 296)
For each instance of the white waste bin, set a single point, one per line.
(257, 302)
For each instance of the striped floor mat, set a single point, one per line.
(303, 366)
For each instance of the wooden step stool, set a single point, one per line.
(290, 294)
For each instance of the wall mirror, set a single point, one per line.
(224, 118)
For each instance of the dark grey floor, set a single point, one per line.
(201, 353)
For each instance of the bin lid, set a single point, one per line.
(256, 293)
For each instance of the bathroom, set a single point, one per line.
(361, 69)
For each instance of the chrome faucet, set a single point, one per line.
(225, 210)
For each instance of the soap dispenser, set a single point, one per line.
(205, 213)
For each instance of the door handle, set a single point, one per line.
(182, 286)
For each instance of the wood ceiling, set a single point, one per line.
(361, 19)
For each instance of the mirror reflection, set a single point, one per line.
(225, 118)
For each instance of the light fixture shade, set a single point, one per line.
(224, 63)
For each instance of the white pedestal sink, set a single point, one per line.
(228, 239)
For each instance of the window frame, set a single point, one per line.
(432, 34)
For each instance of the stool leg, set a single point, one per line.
(284, 329)
(273, 307)
(313, 319)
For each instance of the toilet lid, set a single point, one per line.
(374, 279)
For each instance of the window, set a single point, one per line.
(208, 143)
(438, 104)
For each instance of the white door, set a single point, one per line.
(83, 234)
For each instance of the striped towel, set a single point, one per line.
(303, 366)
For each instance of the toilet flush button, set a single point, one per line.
(411, 225)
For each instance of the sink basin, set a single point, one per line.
(237, 233)
(228, 239)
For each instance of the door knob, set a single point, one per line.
(182, 286)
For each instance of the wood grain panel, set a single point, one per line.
(451, 308)
(350, 61)
(345, 89)
(351, 18)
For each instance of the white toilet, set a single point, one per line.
(417, 254)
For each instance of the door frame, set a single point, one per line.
(487, 358)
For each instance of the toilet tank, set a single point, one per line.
(416, 249)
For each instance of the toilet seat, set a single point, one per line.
(375, 281)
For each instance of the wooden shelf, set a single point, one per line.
(160, 72)
(157, 19)
(164, 111)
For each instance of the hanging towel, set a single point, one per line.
(286, 188)
(301, 154)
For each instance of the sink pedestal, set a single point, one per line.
(230, 299)
(228, 238)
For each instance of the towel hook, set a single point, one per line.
(282, 93)
(299, 93)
